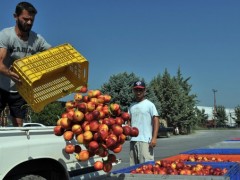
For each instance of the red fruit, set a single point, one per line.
(90, 106)
(87, 135)
(69, 148)
(98, 165)
(70, 114)
(96, 137)
(103, 134)
(113, 136)
(94, 100)
(77, 148)
(78, 116)
(117, 149)
(94, 125)
(179, 165)
(102, 114)
(83, 155)
(100, 99)
(88, 116)
(127, 130)
(78, 97)
(64, 115)
(69, 105)
(96, 93)
(121, 138)
(107, 166)
(107, 98)
(99, 106)
(112, 158)
(162, 171)
(106, 121)
(102, 151)
(114, 108)
(96, 114)
(85, 99)
(158, 162)
(103, 127)
(150, 166)
(117, 130)
(68, 135)
(125, 116)
(119, 121)
(58, 130)
(105, 109)
(110, 142)
(112, 121)
(93, 146)
(147, 171)
(76, 129)
(134, 132)
(65, 123)
(83, 89)
(84, 124)
(82, 107)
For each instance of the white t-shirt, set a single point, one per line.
(17, 48)
(142, 114)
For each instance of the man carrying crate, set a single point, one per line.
(15, 43)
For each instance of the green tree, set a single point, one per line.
(50, 114)
(166, 92)
(237, 114)
(186, 101)
(177, 104)
(201, 117)
(221, 116)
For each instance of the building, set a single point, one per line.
(230, 113)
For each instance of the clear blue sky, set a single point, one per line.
(145, 37)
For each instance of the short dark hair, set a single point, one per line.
(25, 6)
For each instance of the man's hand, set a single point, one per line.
(13, 76)
(153, 142)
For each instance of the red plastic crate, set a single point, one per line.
(210, 157)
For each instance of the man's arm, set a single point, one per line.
(4, 70)
(155, 131)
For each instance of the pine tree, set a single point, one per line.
(237, 114)
(221, 116)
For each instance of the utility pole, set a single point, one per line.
(214, 110)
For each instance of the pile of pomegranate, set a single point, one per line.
(92, 120)
(178, 167)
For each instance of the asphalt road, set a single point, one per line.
(174, 145)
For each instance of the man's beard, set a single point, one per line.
(23, 28)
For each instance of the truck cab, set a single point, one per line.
(164, 130)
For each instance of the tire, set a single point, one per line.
(32, 177)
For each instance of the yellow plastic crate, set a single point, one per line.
(50, 75)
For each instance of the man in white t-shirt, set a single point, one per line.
(17, 42)
(145, 117)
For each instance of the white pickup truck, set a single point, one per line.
(36, 153)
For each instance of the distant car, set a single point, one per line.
(33, 125)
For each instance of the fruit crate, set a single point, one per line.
(210, 157)
(50, 75)
(125, 173)
(213, 151)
